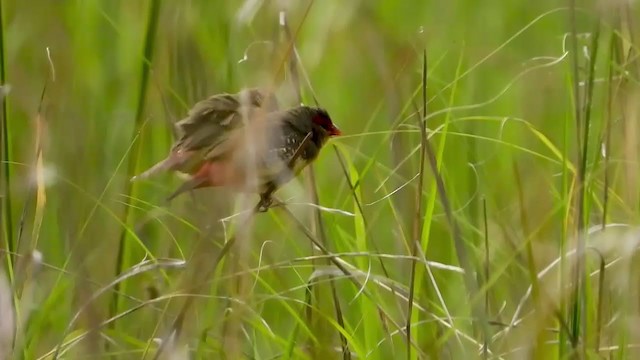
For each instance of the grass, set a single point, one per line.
(482, 202)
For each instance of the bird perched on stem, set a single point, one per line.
(241, 142)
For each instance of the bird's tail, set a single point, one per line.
(191, 184)
(163, 165)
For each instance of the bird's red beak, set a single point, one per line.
(334, 131)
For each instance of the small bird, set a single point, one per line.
(245, 153)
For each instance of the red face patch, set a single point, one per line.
(322, 119)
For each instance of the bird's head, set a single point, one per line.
(320, 118)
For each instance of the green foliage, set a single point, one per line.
(531, 153)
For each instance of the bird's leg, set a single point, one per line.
(265, 198)
(265, 202)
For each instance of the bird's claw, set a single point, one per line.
(265, 203)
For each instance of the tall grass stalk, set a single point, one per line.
(124, 245)
(7, 219)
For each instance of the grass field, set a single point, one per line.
(482, 202)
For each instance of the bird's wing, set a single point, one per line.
(216, 110)
(213, 118)
(223, 146)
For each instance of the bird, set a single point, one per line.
(257, 152)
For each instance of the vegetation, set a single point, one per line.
(482, 202)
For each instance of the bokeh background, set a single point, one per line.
(532, 110)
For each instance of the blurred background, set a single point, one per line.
(531, 120)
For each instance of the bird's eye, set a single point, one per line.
(323, 120)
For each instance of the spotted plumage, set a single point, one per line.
(270, 144)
